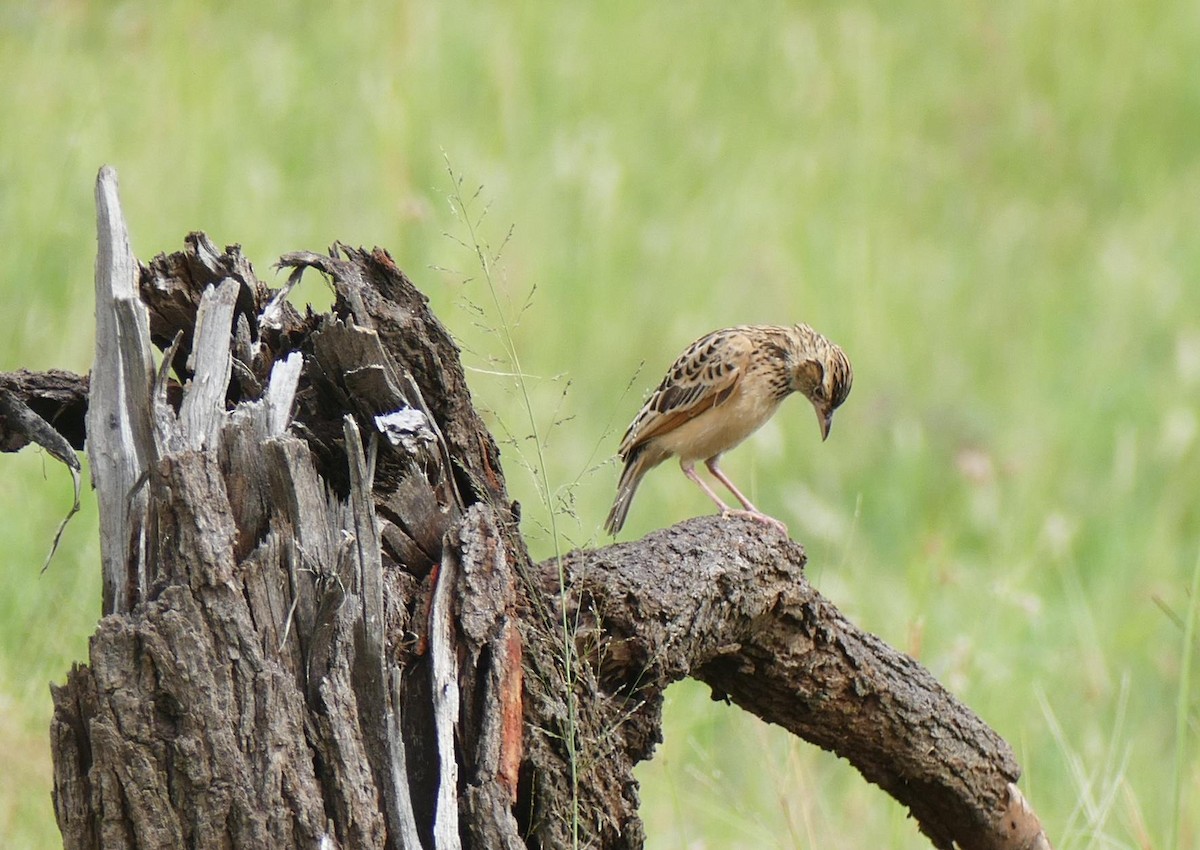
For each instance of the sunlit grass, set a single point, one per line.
(992, 207)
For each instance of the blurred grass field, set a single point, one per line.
(994, 208)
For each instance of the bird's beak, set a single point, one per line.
(825, 417)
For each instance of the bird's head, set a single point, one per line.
(823, 376)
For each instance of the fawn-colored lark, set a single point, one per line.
(719, 392)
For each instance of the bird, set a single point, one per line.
(718, 392)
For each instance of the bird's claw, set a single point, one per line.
(758, 516)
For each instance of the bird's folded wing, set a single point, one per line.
(703, 377)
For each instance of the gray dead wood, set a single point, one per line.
(324, 628)
(121, 440)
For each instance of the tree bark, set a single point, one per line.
(323, 629)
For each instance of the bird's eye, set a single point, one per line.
(819, 393)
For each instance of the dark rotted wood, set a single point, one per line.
(376, 294)
(171, 286)
(57, 398)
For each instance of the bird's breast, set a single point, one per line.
(722, 427)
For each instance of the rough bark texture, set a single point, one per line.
(731, 607)
(323, 628)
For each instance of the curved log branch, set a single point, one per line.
(725, 601)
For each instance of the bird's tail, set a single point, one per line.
(636, 466)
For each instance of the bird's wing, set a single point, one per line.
(703, 377)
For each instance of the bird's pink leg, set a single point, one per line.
(751, 511)
(690, 471)
(711, 463)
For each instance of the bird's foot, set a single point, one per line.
(758, 516)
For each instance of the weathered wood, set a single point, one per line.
(20, 425)
(725, 601)
(211, 364)
(326, 629)
(121, 440)
(444, 673)
(23, 393)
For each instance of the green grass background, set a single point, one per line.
(994, 208)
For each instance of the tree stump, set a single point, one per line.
(322, 627)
